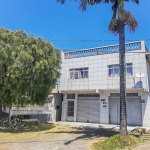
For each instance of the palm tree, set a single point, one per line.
(0, 108)
(120, 19)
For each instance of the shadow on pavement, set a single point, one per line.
(88, 133)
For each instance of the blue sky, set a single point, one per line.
(51, 20)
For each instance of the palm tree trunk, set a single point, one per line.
(0, 108)
(121, 27)
(123, 114)
(9, 116)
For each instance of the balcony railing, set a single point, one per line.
(101, 50)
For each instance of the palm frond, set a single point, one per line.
(63, 1)
(115, 8)
(135, 1)
(128, 19)
(113, 26)
(85, 3)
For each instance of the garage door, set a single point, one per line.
(88, 108)
(134, 110)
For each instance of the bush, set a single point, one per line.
(117, 142)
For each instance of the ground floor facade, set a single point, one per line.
(104, 107)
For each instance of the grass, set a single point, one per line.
(117, 142)
(30, 127)
(30, 131)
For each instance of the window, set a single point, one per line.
(114, 70)
(129, 69)
(78, 73)
(70, 96)
(88, 95)
(71, 108)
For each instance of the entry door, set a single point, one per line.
(134, 111)
(88, 111)
(114, 111)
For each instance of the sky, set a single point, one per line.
(51, 20)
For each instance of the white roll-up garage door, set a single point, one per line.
(88, 108)
(134, 110)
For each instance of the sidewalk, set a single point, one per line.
(96, 125)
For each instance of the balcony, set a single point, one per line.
(101, 50)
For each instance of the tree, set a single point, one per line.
(28, 68)
(0, 108)
(120, 19)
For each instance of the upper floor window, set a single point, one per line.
(114, 70)
(129, 69)
(79, 73)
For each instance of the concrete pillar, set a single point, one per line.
(75, 107)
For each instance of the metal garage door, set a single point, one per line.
(88, 108)
(134, 110)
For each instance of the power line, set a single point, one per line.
(64, 40)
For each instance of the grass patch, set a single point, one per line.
(117, 142)
(30, 127)
(31, 130)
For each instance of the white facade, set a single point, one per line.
(99, 80)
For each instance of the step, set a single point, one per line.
(145, 135)
(145, 139)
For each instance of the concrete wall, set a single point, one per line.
(47, 108)
(58, 106)
(145, 108)
(148, 71)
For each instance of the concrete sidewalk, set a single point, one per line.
(96, 125)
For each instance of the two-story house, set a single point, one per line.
(90, 84)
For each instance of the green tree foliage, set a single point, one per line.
(28, 68)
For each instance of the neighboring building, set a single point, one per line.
(90, 85)
(50, 111)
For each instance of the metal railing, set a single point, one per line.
(101, 50)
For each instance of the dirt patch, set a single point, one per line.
(144, 146)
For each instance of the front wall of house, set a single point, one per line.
(104, 107)
(98, 71)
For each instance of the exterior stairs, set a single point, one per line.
(146, 136)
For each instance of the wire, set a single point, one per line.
(61, 40)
